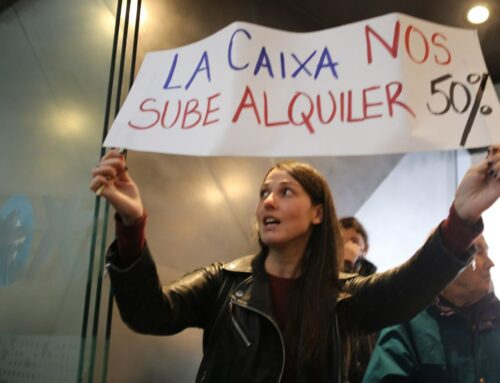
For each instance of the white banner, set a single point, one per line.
(388, 84)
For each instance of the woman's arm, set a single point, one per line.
(395, 296)
(147, 307)
(144, 304)
(398, 294)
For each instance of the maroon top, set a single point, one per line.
(280, 290)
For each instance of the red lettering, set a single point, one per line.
(142, 109)
(164, 114)
(209, 110)
(266, 116)
(350, 118)
(342, 106)
(191, 110)
(243, 104)
(392, 98)
(306, 118)
(439, 45)
(367, 104)
(392, 49)
(437, 40)
(320, 113)
(408, 33)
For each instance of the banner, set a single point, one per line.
(389, 84)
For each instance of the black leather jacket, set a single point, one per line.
(241, 341)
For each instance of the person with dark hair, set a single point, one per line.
(456, 340)
(356, 247)
(286, 313)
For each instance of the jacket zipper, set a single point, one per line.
(282, 341)
(240, 331)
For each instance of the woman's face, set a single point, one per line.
(285, 213)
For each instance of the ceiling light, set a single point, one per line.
(478, 14)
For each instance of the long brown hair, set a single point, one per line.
(308, 331)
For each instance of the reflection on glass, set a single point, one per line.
(16, 234)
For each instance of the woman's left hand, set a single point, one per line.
(479, 188)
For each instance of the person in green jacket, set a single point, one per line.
(456, 340)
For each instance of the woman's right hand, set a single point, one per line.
(119, 188)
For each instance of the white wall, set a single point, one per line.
(412, 200)
(491, 219)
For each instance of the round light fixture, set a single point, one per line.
(478, 14)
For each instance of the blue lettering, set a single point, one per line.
(171, 74)
(230, 50)
(200, 68)
(302, 65)
(325, 61)
(282, 61)
(263, 62)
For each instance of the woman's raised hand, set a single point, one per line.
(111, 178)
(479, 188)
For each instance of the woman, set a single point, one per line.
(284, 315)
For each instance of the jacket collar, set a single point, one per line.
(484, 314)
(253, 291)
(249, 263)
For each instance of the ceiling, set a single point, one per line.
(301, 15)
(447, 12)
